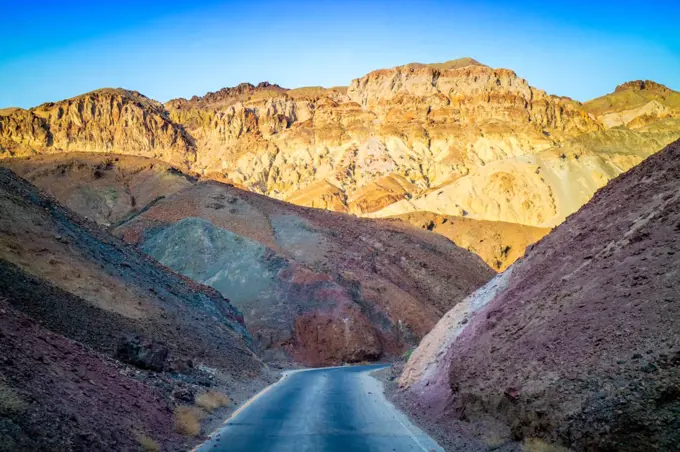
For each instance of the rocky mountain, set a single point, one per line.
(315, 286)
(578, 342)
(229, 96)
(93, 329)
(635, 104)
(105, 120)
(394, 133)
(457, 139)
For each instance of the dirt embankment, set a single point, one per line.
(56, 394)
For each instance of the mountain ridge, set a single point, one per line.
(495, 147)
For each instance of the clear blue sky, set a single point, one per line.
(172, 48)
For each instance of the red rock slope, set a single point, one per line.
(579, 342)
(56, 394)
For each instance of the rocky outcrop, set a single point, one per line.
(142, 353)
(21, 131)
(100, 121)
(227, 96)
(576, 343)
(461, 96)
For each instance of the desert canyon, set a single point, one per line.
(517, 249)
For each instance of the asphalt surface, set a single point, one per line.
(332, 409)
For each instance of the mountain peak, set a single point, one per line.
(229, 95)
(122, 93)
(641, 85)
(634, 95)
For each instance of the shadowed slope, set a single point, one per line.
(86, 284)
(56, 394)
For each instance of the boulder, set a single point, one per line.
(141, 353)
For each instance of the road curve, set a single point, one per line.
(331, 409)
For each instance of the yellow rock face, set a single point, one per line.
(498, 243)
(107, 120)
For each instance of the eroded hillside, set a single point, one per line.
(498, 243)
(105, 188)
(577, 343)
(458, 139)
(321, 287)
(315, 286)
(94, 329)
(117, 285)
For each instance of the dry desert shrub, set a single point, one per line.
(494, 439)
(212, 400)
(188, 420)
(537, 445)
(146, 442)
(10, 402)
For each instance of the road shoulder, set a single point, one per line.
(451, 434)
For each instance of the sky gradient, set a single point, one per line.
(167, 49)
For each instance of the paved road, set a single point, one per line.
(334, 409)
